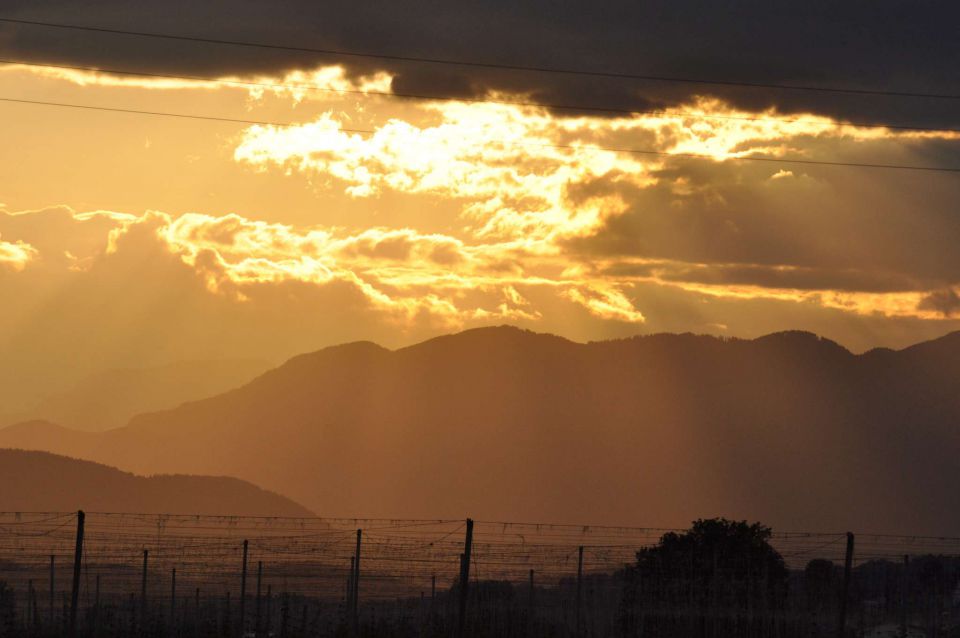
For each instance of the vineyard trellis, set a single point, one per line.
(170, 574)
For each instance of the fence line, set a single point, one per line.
(524, 578)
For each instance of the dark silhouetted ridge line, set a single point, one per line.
(450, 98)
(488, 65)
(574, 147)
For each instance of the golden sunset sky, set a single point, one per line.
(131, 240)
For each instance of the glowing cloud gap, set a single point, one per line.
(300, 84)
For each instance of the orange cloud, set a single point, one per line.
(605, 302)
(514, 168)
(15, 255)
(402, 273)
(326, 81)
(521, 184)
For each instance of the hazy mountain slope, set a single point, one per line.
(42, 482)
(503, 424)
(108, 399)
(49, 437)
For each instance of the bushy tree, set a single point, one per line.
(716, 568)
(821, 579)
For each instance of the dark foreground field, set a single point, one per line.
(189, 575)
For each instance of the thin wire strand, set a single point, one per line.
(574, 147)
(485, 65)
(448, 98)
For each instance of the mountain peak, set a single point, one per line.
(502, 335)
(352, 347)
(802, 340)
(507, 423)
(342, 351)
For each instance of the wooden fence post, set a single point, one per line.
(256, 619)
(465, 575)
(579, 588)
(173, 601)
(845, 590)
(904, 597)
(143, 593)
(53, 615)
(77, 562)
(531, 613)
(356, 587)
(243, 591)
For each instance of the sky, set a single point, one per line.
(358, 212)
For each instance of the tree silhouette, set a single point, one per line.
(820, 583)
(717, 569)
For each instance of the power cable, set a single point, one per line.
(485, 65)
(574, 147)
(449, 98)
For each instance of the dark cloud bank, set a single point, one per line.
(885, 45)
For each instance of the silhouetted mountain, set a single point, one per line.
(108, 399)
(42, 482)
(501, 424)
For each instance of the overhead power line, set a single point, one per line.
(449, 98)
(188, 116)
(575, 147)
(488, 65)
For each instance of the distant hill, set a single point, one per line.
(42, 482)
(504, 424)
(49, 437)
(108, 399)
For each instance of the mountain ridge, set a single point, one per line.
(41, 481)
(505, 423)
